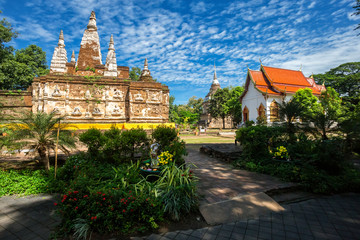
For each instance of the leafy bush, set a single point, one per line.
(179, 190)
(110, 211)
(94, 140)
(256, 141)
(134, 141)
(169, 141)
(164, 135)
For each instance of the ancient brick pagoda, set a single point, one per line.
(87, 91)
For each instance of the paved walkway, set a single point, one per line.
(335, 217)
(27, 218)
(218, 181)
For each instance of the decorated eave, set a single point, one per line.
(278, 81)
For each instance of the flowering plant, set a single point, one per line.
(281, 152)
(164, 158)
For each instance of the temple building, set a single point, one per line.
(205, 119)
(266, 88)
(88, 91)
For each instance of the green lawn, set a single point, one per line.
(207, 139)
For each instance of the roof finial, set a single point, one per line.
(260, 61)
(300, 68)
(92, 22)
(73, 57)
(312, 75)
(61, 42)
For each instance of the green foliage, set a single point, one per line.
(328, 115)
(308, 103)
(186, 114)
(7, 33)
(179, 190)
(289, 113)
(219, 107)
(234, 104)
(256, 141)
(135, 73)
(23, 182)
(345, 79)
(38, 131)
(34, 57)
(134, 141)
(318, 165)
(94, 140)
(169, 141)
(164, 135)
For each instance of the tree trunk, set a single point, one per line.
(223, 123)
(44, 157)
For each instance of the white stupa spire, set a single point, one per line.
(59, 59)
(215, 81)
(111, 65)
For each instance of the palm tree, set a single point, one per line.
(38, 131)
(289, 112)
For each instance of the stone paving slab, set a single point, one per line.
(218, 181)
(239, 208)
(27, 218)
(333, 217)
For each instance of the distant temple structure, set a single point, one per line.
(205, 119)
(88, 91)
(266, 88)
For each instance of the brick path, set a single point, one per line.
(27, 218)
(218, 181)
(334, 217)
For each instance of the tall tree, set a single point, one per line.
(34, 57)
(289, 112)
(7, 33)
(17, 71)
(234, 104)
(135, 73)
(345, 79)
(308, 102)
(219, 107)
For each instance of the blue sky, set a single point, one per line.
(182, 39)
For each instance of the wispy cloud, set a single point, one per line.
(182, 39)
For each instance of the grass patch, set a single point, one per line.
(210, 139)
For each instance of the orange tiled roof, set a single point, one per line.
(277, 81)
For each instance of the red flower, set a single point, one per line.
(131, 210)
(124, 210)
(104, 194)
(55, 204)
(76, 192)
(75, 199)
(95, 217)
(104, 199)
(76, 208)
(86, 196)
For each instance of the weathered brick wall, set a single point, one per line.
(14, 103)
(96, 99)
